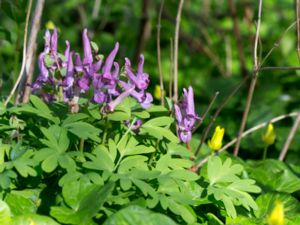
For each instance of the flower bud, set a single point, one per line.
(277, 215)
(269, 136)
(215, 143)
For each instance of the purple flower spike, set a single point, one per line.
(67, 51)
(53, 47)
(88, 57)
(78, 63)
(185, 115)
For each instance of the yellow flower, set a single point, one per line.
(50, 25)
(269, 136)
(157, 92)
(277, 215)
(215, 143)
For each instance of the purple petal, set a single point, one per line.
(190, 102)
(67, 51)
(147, 101)
(47, 38)
(185, 136)
(54, 41)
(111, 106)
(178, 114)
(83, 84)
(110, 59)
(88, 57)
(99, 97)
(44, 73)
(97, 66)
(78, 63)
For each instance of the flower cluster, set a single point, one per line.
(185, 115)
(70, 75)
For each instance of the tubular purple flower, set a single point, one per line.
(69, 79)
(112, 105)
(88, 57)
(141, 80)
(99, 97)
(188, 102)
(178, 114)
(185, 136)
(110, 60)
(47, 38)
(83, 84)
(67, 51)
(53, 46)
(44, 73)
(78, 63)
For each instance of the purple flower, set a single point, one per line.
(88, 57)
(111, 106)
(99, 97)
(185, 115)
(135, 126)
(141, 79)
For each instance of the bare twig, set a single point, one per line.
(259, 126)
(297, 121)
(253, 82)
(206, 111)
(96, 9)
(238, 37)
(268, 68)
(171, 69)
(212, 120)
(36, 20)
(176, 37)
(24, 55)
(289, 138)
(161, 81)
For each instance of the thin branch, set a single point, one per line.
(289, 138)
(32, 46)
(259, 126)
(212, 120)
(96, 9)
(268, 68)
(171, 69)
(206, 111)
(253, 82)
(161, 81)
(176, 37)
(24, 55)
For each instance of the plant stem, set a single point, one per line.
(178, 17)
(81, 145)
(162, 91)
(265, 153)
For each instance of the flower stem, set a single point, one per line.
(81, 145)
(265, 153)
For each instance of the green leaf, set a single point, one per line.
(50, 163)
(4, 213)
(84, 130)
(266, 203)
(133, 215)
(100, 160)
(159, 133)
(48, 60)
(160, 121)
(71, 118)
(30, 219)
(275, 175)
(20, 205)
(87, 207)
(39, 104)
